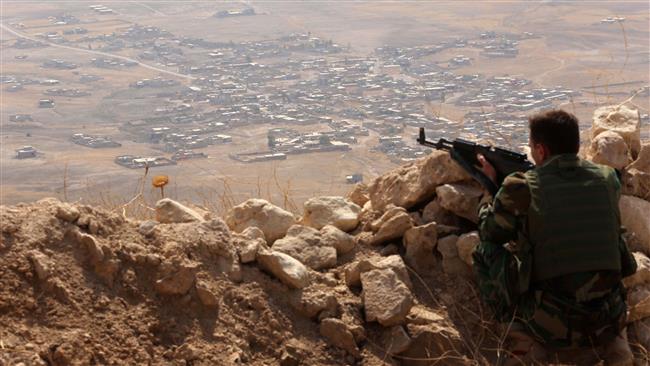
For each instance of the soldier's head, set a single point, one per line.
(551, 133)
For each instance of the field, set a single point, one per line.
(574, 50)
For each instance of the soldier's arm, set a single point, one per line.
(500, 219)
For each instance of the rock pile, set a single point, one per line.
(381, 276)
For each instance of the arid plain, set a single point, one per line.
(605, 62)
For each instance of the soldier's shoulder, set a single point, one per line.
(514, 195)
(515, 182)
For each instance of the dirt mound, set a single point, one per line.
(81, 286)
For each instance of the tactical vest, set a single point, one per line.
(573, 218)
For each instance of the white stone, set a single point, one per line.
(286, 268)
(610, 149)
(272, 220)
(636, 177)
(337, 333)
(42, 264)
(461, 199)
(169, 211)
(337, 238)
(622, 120)
(67, 212)
(331, 210)
(306, 245)
(466, 244)
(635, 216)
(390, 226)
(386, 298)
(411, 184)
(394, 262)
(420, 242)
(642, 275)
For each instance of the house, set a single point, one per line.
(26, 152)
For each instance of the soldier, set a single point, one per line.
(552, 256)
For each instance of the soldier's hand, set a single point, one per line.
(487, 168)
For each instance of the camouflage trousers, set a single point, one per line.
(550, 319)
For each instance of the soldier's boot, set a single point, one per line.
(522, 349)
(618, 352)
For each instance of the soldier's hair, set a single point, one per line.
(556, 129)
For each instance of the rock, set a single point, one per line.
(433, 212)
(95, 252)
(466, 244)
(420, 242)
(420, 315)
(310, 302)
(636, 177)
(253, 233)
(390, 249)
(447, 246)
(438, 341)
(359, 195)
(272, 220)
(411, 184)
(635, 218)
(368, 215)
(169, 211)
(396, 340)
(394, 262)
(338, 334)
(640, 333)
(622, 120)
(461, 199)
(331, 210)
(391, 226)
(610, 149)
(304, 244)
(386, 298)
(206, 296)
(287, 269)
(67, 212)
(147, 228)
(456, 267)
(42, 264)
(636, 183)
(178, 281)
(247, 249)
(337, 238)
(639, 303)
(642, 275)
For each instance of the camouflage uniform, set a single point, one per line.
(567, 310)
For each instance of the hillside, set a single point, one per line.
(382, 276)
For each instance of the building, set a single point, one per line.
(26, 152)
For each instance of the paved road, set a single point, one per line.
(98, 53)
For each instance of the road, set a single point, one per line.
(98, 53)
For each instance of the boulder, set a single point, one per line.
(386, 298)
(639, 303)
(178, 280)
(394, 262)
(642, 275)
(337, 238)
(461, 199)
(247, 248)
(420, 315)
(420, 242)
(169, 211)
(284, 267)
(205, 294)
(304, 244)
(411, 184)
(451, 261)
(433, 212)
(438, 341)
(311, 301)
(67, 212)
(609, 148)
(42, 264)
(331, 210)
(635, 218)
(396, 340)
(272, 220)
(466, 244)
(447, 246)
(636, 177)
(391, 225)
(359, 194)
(622, 120)
(337, 334)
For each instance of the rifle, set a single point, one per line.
(464, 153)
